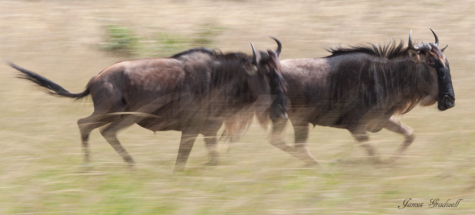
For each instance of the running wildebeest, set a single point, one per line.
(193, 92)
(361, 89)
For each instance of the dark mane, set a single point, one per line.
(189, 51)
(389, 51)
(216, 53)
(241, 57)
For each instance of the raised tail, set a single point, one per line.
(52, 88)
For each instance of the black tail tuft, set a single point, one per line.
(52, 88)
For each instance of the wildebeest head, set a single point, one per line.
(434, 59)
(265, 77)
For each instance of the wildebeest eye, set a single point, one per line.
(431, 62)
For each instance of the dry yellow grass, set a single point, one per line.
(40, 154)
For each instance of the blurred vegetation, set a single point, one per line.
(207, 34)
(122, 40)
(166, 44)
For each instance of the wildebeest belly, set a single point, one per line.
(154, 124)
(347, 117)
(175, 115)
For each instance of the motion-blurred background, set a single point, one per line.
(71, 41)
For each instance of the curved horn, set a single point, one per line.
(279, 45)
(254, 56)
(410, 46)
(436, 38)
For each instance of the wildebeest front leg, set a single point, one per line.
(360, 135)
(301, 130)
(188, 137)
(277, 139)
(393, 124)
(300, 151)
(212, 147)
(211, 141)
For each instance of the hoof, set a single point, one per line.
(212, 163)
(179, 169)
(312, 164)
(375, 160)
(340, 161)
(392, 159)
(86, 167)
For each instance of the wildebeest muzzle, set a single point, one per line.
(446, 91)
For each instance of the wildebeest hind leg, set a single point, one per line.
(86, 125)
(110, 134)
(188, 137)
(393, 124)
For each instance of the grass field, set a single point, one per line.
(40, 156)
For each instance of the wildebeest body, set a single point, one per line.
(363, 89)
(342, 97)
(193, 92)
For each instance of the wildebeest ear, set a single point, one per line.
(273, 55)
(274, 58)
(414, 55)
(251, 70)
(263, 56)
(442, 50)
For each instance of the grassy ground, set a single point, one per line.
(40, 154)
